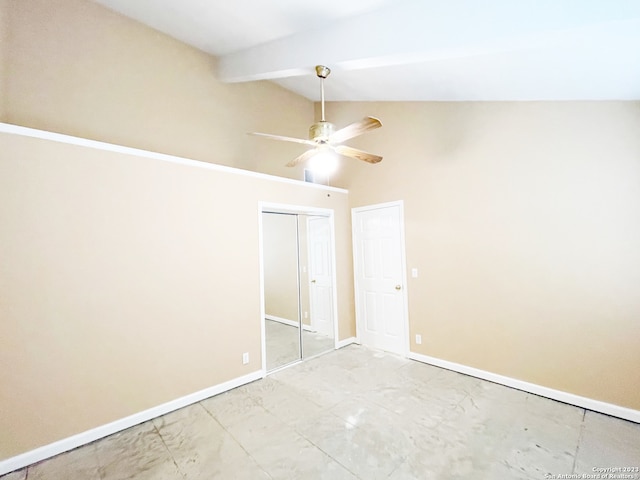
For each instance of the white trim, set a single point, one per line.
(403, 261)
(270, 207)
(110, 147)
(565, 397)
(69, 443)
(405, 283)
(291, 323)
(334, 278)
(376, 206)
(263, 327)
(346, 342)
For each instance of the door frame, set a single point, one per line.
(403, 260)
(266, 207)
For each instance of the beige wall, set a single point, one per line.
(4, 40)
(116, 296)
(125, 282)
(80, 69)
(128, 282)
(280, 256)
(522, 219)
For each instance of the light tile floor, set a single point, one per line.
(358, 414)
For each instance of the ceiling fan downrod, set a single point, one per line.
(322, 72)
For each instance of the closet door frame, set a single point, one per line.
(269, 207)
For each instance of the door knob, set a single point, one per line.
(313, 281)
(398, 287)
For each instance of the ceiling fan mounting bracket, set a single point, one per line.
(322, 71)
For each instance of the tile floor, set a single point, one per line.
(358, 414)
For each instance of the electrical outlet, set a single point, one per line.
(306, 314)
(414, 273)
(418, 339)
(245, 358)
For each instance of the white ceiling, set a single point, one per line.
(415, 50)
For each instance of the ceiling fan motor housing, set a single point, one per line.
(321, 131)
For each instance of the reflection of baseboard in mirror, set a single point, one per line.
(297, 251)
(291, 323)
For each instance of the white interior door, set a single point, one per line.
(378, 239)
(320, 276)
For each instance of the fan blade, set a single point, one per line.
(355, 129)
(359, 154)
(284, 139)
(302, 158)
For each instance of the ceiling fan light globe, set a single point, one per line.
(325, 162)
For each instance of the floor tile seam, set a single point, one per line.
(383, 406)
(329, 455)
(255, 460)
(212, 415)
(164, 443)
(355, 426)
(235, 439)
(216, 419)
(249, 454)
(472, 400)
(582, 426)
(404, 461)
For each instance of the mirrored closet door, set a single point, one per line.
(298, 286)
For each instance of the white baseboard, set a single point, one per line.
(286, 321)
(565, 397)
(66, 444)
(346, 342)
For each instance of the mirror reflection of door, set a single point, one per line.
(320, 319)
(298, 287)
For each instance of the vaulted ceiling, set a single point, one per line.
(415, 50)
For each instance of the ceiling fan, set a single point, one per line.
(324, 138)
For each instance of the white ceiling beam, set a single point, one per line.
(413, 31)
